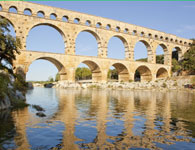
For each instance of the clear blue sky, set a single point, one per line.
(170, 17)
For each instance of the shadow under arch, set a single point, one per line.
(95, 70)
(144, 72)
(177, 54)
(124, 41)
(162, 73)
(61, 69)
(94, 34)
(54, 27)
(148, 48)
(123, 73)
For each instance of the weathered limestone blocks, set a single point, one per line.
(69, 24)
(67, 65)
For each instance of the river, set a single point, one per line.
(101, 119)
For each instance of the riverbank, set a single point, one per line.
(175, 83)
(12, 91)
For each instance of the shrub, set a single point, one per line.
(109, 86)
(120, 86)
(122, 82)
(20, 84)
(164, 85)
(18, 103)
(4, 81)
(175, 84)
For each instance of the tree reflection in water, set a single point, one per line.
(7, 130)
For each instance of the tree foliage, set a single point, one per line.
(50, 79)
(160, 59)
(57, 78)
(83, 73)
(8, 46)
(142, 59)
(113, 74)
(188, 62)
(175, 65)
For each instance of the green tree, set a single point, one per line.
(112, 74)
(188, 62)
(86, 73)
(78, 75)
(142, 59)
(50, 79)
(9, 46)
(160, 59)
(57, 78)
(175, 65)
(83, 73)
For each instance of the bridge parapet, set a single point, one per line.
(93, 21)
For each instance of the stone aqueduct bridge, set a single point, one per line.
(70, 24)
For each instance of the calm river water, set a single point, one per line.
(101, 119)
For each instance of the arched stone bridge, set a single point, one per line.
(70, 24)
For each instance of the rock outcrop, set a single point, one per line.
(158, 84)
(9, 95)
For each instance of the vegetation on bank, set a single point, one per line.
(85, 74)
(10, 82)
(159, 59)
(184, 66)
(9, 88)
(4, 80)
(187, 64)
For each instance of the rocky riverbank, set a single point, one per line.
(179, 83)
(11, 94)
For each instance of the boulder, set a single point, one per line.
(49, 85)
(19, 95)
(40, 114)
(5, 103)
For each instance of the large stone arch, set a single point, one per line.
(94, 34)
(145, 73)
(50, 25)
(148, 47)
(61, 69)
(123, 72)
(95, 69)
(124, 41)
(162, 73)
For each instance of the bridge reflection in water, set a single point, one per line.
(99, 119)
